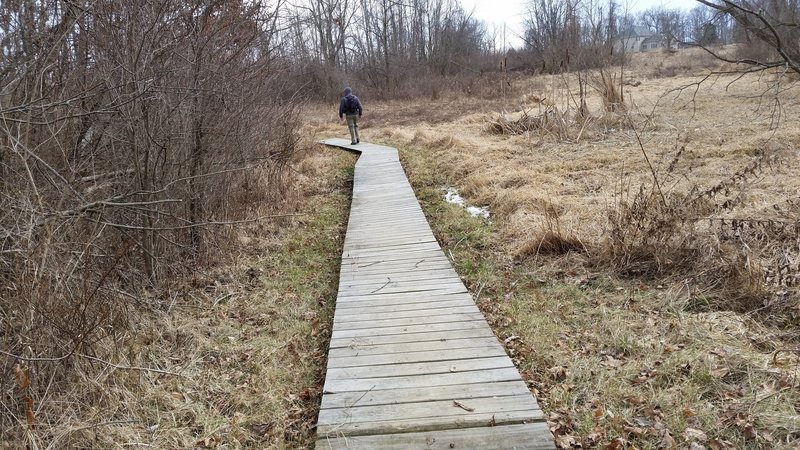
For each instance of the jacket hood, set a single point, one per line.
(347, 91)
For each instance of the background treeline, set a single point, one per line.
(385, 47)
(399, 49)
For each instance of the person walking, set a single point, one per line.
(350, 107)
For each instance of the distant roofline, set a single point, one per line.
(637, 31)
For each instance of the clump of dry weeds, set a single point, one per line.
(550, 239)
(572, 118)
(608, 85)
(550, 122)
(701, 234)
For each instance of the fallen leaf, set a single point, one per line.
(661, 430)
(463, 406)
(643, 421)
(786, 381)
(25, 382)
(635, 400)
(262, 429)
(510, 339)
(559, 373)
(594, 437)
(612, 362)
(633, 431)
(615, 444)
(750, 432)
(667, 442)
(720, 372)
(22, 377)
(29, 411)
(719, 444)
(694, 434)
(565, 441)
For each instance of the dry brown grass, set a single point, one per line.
(684, 327)
(550, 239)
(235, 358)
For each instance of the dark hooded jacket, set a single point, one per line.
(350, 104)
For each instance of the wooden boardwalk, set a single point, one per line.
(412, 361)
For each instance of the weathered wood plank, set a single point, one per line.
(477, 324)
(408, 271)
(401, 260)
(416, 357)
(450, 289)
(423, 368)
(377, 306)
(442, 274)
(533, 436)
(391, 250)
(408, 347)
(422, 260)
(420, 281)
(446, 379)
(397, 257)
(406, 417)
(382, 240)
(390, 286)
(368, 341)
(423, 394)
(410, 274)
(358, 315)
(411, 301)
(407, 321)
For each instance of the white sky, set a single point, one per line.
(512, 12)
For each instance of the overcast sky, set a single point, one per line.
(512, 12)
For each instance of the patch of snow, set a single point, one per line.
(452, 196)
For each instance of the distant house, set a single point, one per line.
(639, 39)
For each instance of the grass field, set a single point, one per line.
(641, 263)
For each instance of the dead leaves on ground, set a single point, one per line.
(614, 432)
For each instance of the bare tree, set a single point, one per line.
(382, 43)
(669, 23)
(127, 129)
(773, 24)
(552, 32)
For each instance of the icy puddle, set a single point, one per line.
(452, 196)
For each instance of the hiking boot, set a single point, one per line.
(354, 143)
(358, 141)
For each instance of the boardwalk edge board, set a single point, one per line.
(412, 362)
